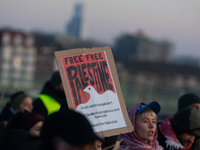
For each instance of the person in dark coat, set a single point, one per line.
(190, 100)
(19, 102)
(69, 130)
(179, 132)
(17, 139)
(51, 97)
(30, 122)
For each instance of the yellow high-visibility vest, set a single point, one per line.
(51, 104)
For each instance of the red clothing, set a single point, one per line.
(172, 141)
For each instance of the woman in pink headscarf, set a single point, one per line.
(144, 119)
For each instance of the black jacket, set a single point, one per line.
(161, 138)
(6, 113)
(48, 89)
(196, 145)
(184, 121)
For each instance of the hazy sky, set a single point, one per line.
(175, 20)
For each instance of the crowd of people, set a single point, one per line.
(46, 123)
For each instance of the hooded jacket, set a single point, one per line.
(186, 120)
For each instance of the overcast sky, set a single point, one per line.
(175, 20)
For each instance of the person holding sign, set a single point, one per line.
(144, 119)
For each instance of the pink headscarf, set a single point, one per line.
(172, 141)
(133, 140)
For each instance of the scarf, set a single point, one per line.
(172, 141)
(133, 140)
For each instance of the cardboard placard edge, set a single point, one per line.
(110, 59)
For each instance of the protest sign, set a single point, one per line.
(92, 88)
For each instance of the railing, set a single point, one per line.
(133, 93)
(167, 96)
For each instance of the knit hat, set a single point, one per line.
(187, 100)
(186, 120)
(71, 126)
(55, 78)
(18, 100)
(17, 139)
(30, 121)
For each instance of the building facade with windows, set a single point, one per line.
(138, 47)
(18, 57)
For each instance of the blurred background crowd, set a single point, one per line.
(151, 66)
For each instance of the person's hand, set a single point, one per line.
(117, 145)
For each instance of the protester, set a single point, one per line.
(16, 139)
(144, 119)
(51, 97)
(190, 100)
(30, 122)
(178, 132)
(67, 129)
(19, 102)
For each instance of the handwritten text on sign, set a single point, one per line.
(92, 89)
